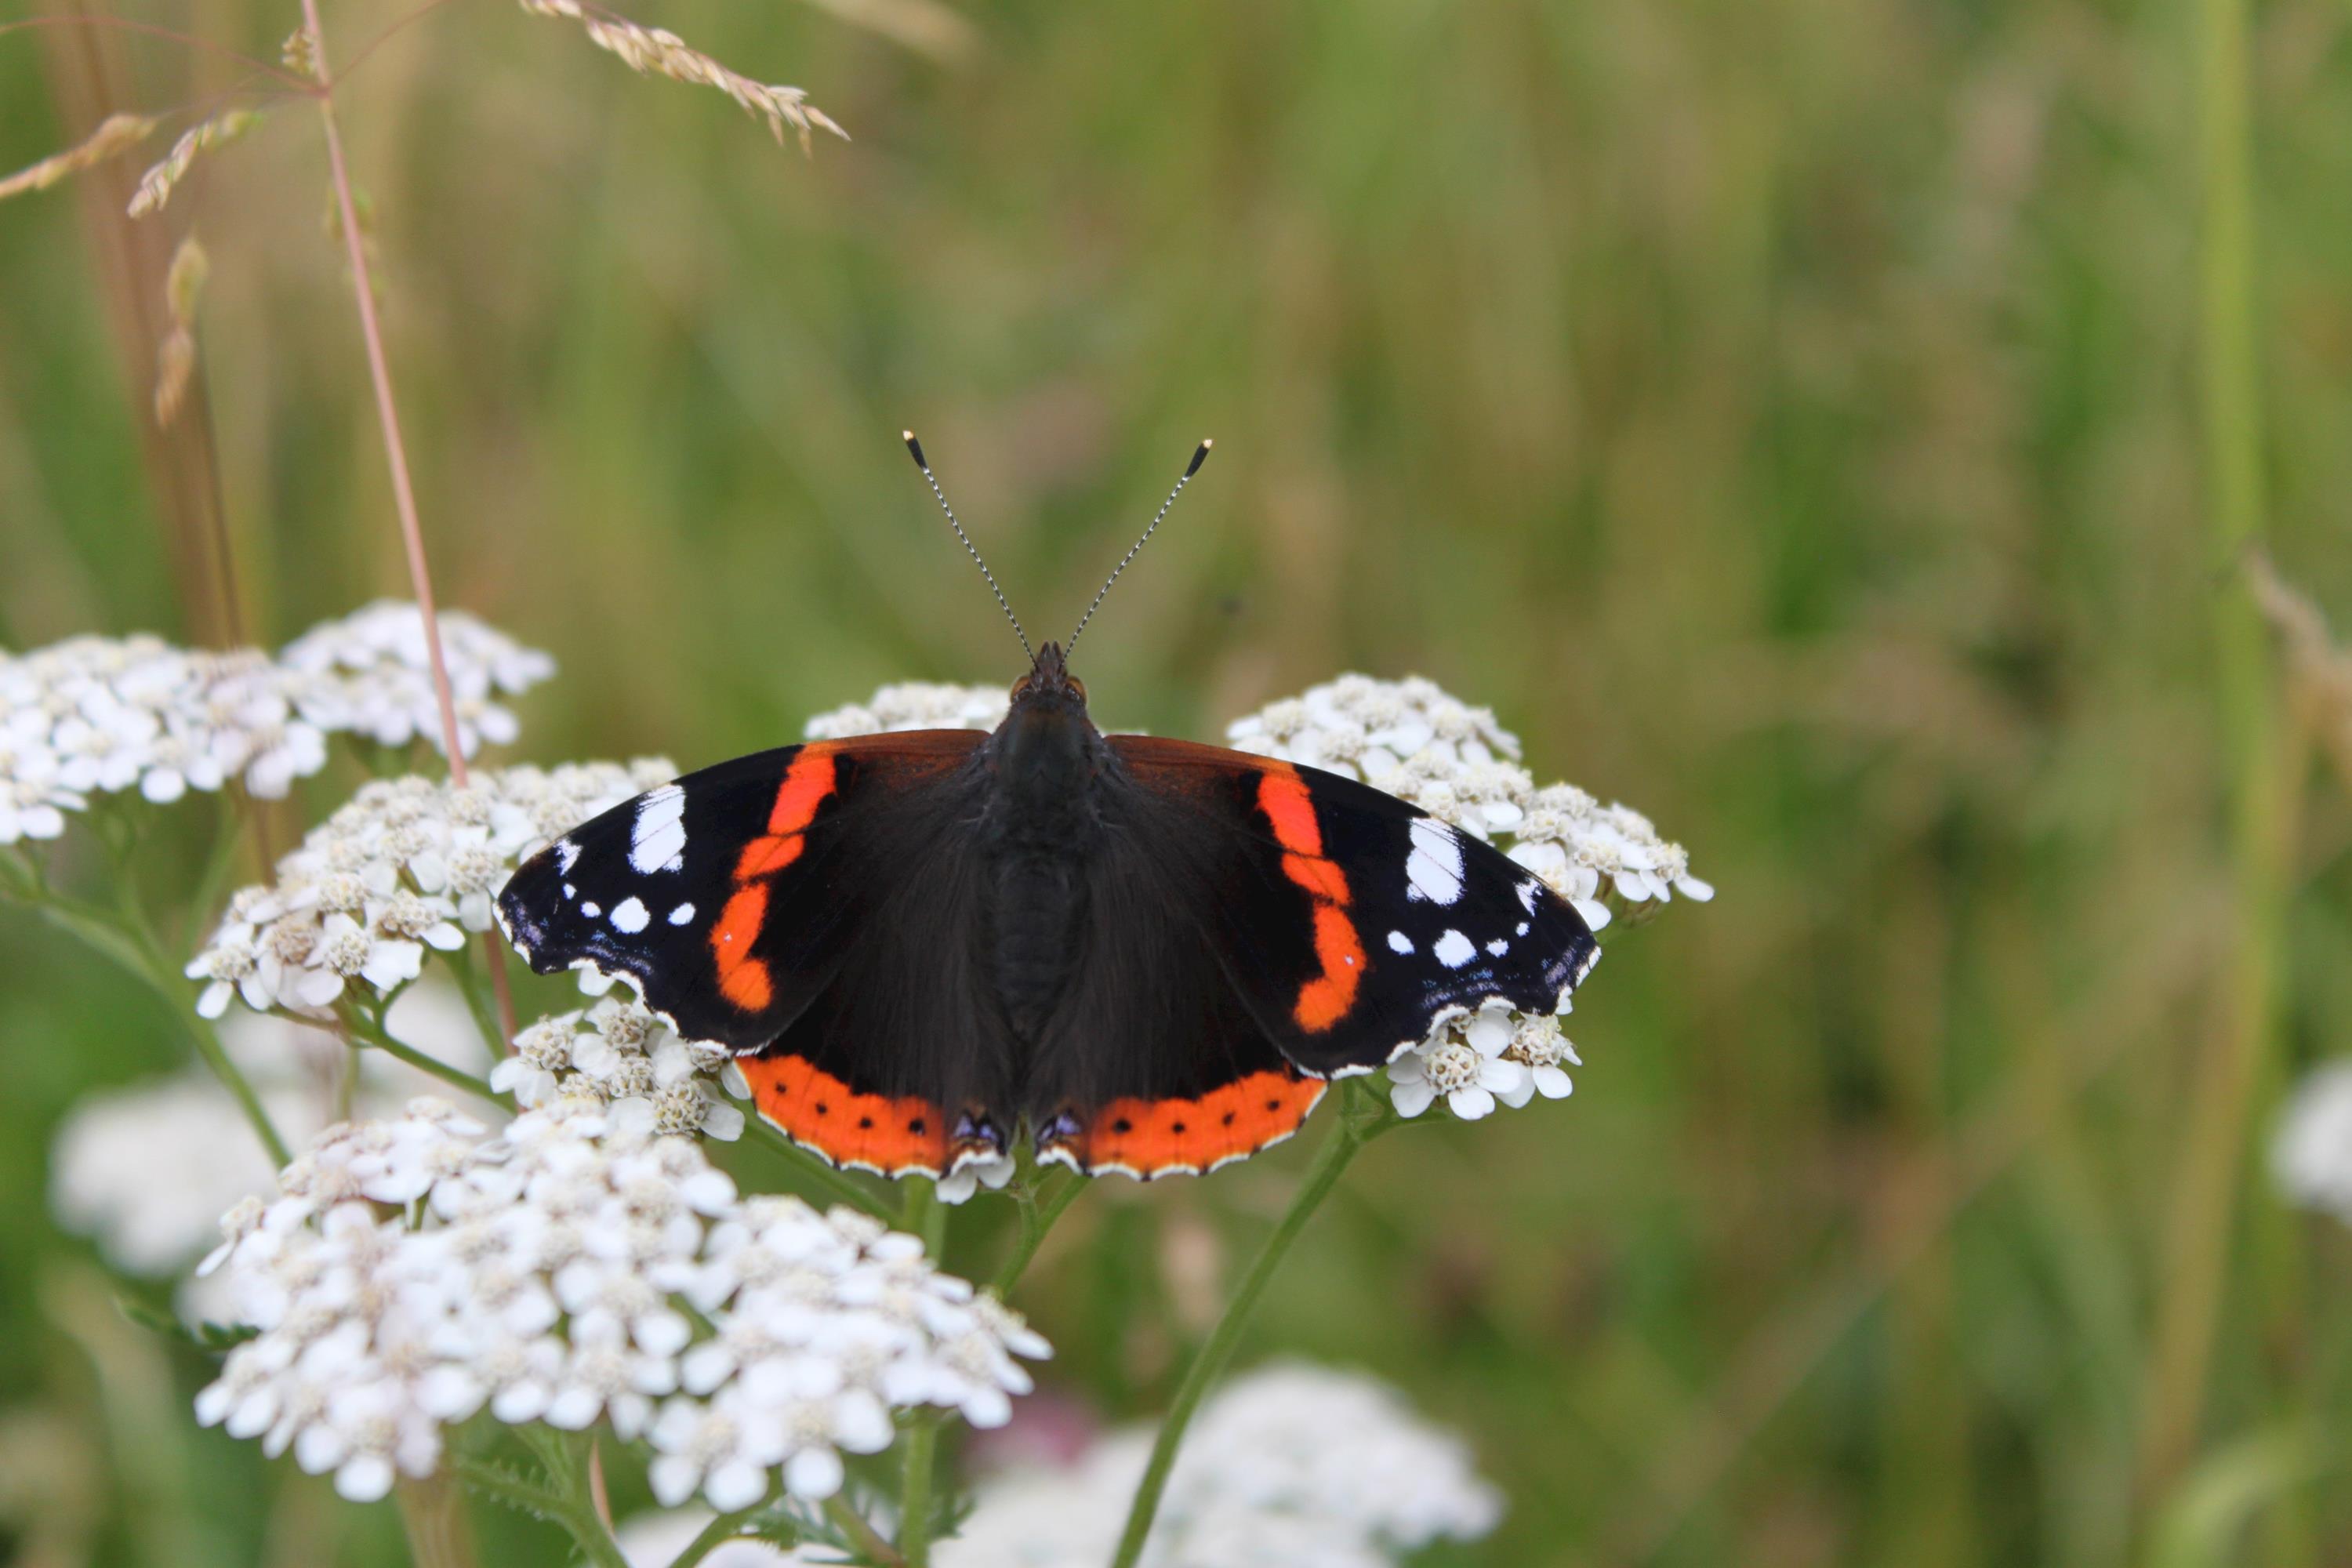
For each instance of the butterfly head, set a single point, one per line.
(1049, 683)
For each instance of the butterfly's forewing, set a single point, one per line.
(807, 904)
(1348, 920)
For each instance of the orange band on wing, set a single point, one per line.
(807, 781)
(743, 979)
(1147, 1138)
(1282, 795)
(762, 856)
(870, 1132)
(1321, 878)
(1324, 997)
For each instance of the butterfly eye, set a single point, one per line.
(1079, 686)
(1019, 687)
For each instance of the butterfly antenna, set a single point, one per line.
(916, 448)
(1199, 457)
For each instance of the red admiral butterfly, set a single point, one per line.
(1150, 953)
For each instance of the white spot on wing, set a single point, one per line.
(1522, 930)
(592, 909)
(629, 916)
(658, 839)
(1400, 943)
(1527, 891)
(680, 915)
(566, 853)
(1435, 867)
(1454, 950)
(570, 891)
(1499, 946)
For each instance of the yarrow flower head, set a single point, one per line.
(2311, 1155)
(578, 1267)
(618, 1055)
(914, 706)
(98, 716)
(407, 864)
(371, 673)
(1290, 1465)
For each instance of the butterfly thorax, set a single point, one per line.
(1039, 827)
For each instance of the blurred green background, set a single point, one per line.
(1788, 415)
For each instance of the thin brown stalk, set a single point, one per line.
(404, 490)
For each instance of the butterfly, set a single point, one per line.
(1151, 956)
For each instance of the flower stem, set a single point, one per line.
(570, 1500)
(1037, 1217)
(717, 1533)
(920, 1213)
(922, 1461)
(367, 1028)
(131, 945)
(1348, 1135)
(861, 1534)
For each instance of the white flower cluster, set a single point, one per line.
(2311, 1155)
(147, 1169)
(1293, 1464)
(620, 1056)
(570, 1270)
(1477, 1060)
(1411, 739)
(1454, 762)
(407, 864)
(916, 705)
(371, 673)
(102, 715)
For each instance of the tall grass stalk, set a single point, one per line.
(403, 489)
(2224, 1075)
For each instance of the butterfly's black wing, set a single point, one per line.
(813, 907)
(1263, 924)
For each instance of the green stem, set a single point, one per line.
(135, 949)
(714, 1535)
(922, 1461)
(862, 1535)
(1348, 1135)
(920, 1213)
(471, 986)
(366, 1026)
(566, 1457)
(1037, 1217)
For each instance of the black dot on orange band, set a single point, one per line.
(916, 1126)
(1229, 1119)
(1179, 1127)
(1270, 1105)
(823, 1109)
(1122, 1125)
(866, 1121)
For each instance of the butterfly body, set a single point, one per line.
(1151, 954)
